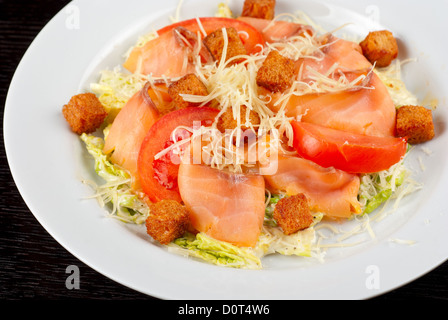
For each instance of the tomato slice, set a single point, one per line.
(158, 177)
(163, 56)
(354, 153)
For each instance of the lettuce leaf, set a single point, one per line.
(103, 167)
(116, 191)
(272, 240)
(377, 188)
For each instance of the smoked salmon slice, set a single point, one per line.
(128, 131)
(162, 56)
(346, 55)
(364, 107)
(168, 56)
(275, 30)
(330, 191)
(226, 206)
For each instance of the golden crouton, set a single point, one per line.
(380, 47)
(228, 122)
(415, 123)
(214, 42)
(188, 84)
(293, 214)
(167, 221)
(276, 73)
(263, 9)
(84, 113)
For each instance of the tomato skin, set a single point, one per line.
(158, 178)
(353, 153)
(211, 24)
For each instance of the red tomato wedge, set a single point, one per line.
(164, 55)
(129, 129)
(158, 177)
(350, 152)
(227, 206)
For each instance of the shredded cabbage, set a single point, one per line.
(116, 191)
(377, 188)
(103, 167)
(115, 88)
(272, 240)
(271, 201)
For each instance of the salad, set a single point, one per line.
(237, 136)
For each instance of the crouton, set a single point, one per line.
(214, 42)
(84, 113)
(167, 221)
(276, 73)
(380, 47)
(188, 84)
(228, 122)
(415, 123)
(262, 9)
(293, 214)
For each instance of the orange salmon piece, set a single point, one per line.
(128, 131)
(226, 206)
(165, 56)
(330, 191)
(346, 54)
(162, 56)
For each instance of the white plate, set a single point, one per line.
(48, 161)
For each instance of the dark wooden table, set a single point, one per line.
(32, 264)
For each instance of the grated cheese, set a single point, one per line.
(201, 27)
(142, 40)
(392, 77)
